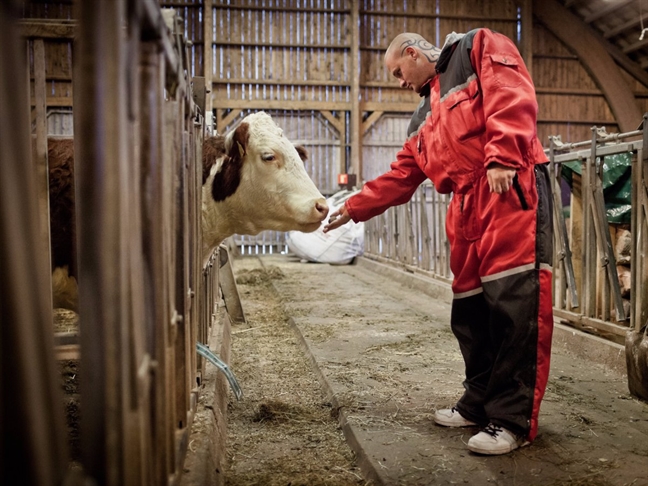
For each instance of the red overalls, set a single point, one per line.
(482, 109)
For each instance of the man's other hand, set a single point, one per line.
(500, 177)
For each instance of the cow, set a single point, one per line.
(60, 158)
(253, 179)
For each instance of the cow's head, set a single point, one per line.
(258, 183)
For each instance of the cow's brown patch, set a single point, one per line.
(303, 153)
(60, 158)
(228, 179)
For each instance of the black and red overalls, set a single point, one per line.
(481, 108)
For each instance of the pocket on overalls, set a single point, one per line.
(468, 220)
(521, 192)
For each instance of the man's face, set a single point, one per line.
(409, 70)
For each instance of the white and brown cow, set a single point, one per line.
(253, 180)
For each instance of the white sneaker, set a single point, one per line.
(494, 440)
(450, 417)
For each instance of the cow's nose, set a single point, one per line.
(322, 208)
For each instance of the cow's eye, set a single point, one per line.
(268, 157)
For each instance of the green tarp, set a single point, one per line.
(617, 170)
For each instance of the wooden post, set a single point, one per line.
(527, 34)
(356, 116)
(100, 122)
(32, 416)
(208, 35)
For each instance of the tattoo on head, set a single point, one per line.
(430, 51)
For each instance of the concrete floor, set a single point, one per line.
(380, 342)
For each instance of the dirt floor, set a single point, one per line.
(333, 353)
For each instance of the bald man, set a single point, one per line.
(474, 135)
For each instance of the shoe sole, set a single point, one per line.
(491, 452)
(453, 424)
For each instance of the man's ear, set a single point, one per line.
(411, 52)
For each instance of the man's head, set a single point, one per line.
(411, 59)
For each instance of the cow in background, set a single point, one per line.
(253, 180)
(60, 156)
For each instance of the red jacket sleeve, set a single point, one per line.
(510, 106)
(389, 189)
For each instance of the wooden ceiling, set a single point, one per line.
(619, 22)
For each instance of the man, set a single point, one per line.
(474, 134)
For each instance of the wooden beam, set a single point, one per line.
(58, 101)
(284, 9)
(280, 82)
(338, 123)
(571, 121)
(40, 155)
(608, 9)
(370, 121)
(569, 91)
(47, 29)
(423, 15)
(208, 68)
(356, 118)
(389, 107)
(282, 105)
(636, 46)
(223, 121)
(274, 45)
(527, 35)
(578, 37)
(608, 34)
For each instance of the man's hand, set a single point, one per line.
(500, 177)
(337, 219)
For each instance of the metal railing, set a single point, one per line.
(587, 293)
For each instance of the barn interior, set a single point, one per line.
(170, 368)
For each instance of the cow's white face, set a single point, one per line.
(260, 184)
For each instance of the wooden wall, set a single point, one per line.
(321, 63)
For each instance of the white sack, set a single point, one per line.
(339, 246)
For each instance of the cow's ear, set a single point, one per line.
(303, 153)
(239, 141)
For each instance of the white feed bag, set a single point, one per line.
(339, 246)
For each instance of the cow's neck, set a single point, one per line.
(214, 228)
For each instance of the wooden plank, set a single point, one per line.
(370, 121)
(338, 123)
(282, 82)
(577, 122)
(32, 412)
(279, 45)
(422, 15)
(527, 34)
(62, 101)
(223, 121)
(389, 107)
(569, 91)
(283, 9)
(282, 105)
(607, 10)
(47, 29)
(66, 352)
(356, 114)
(40, 156)
(208, 68)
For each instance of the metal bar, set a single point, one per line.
(564, 251)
